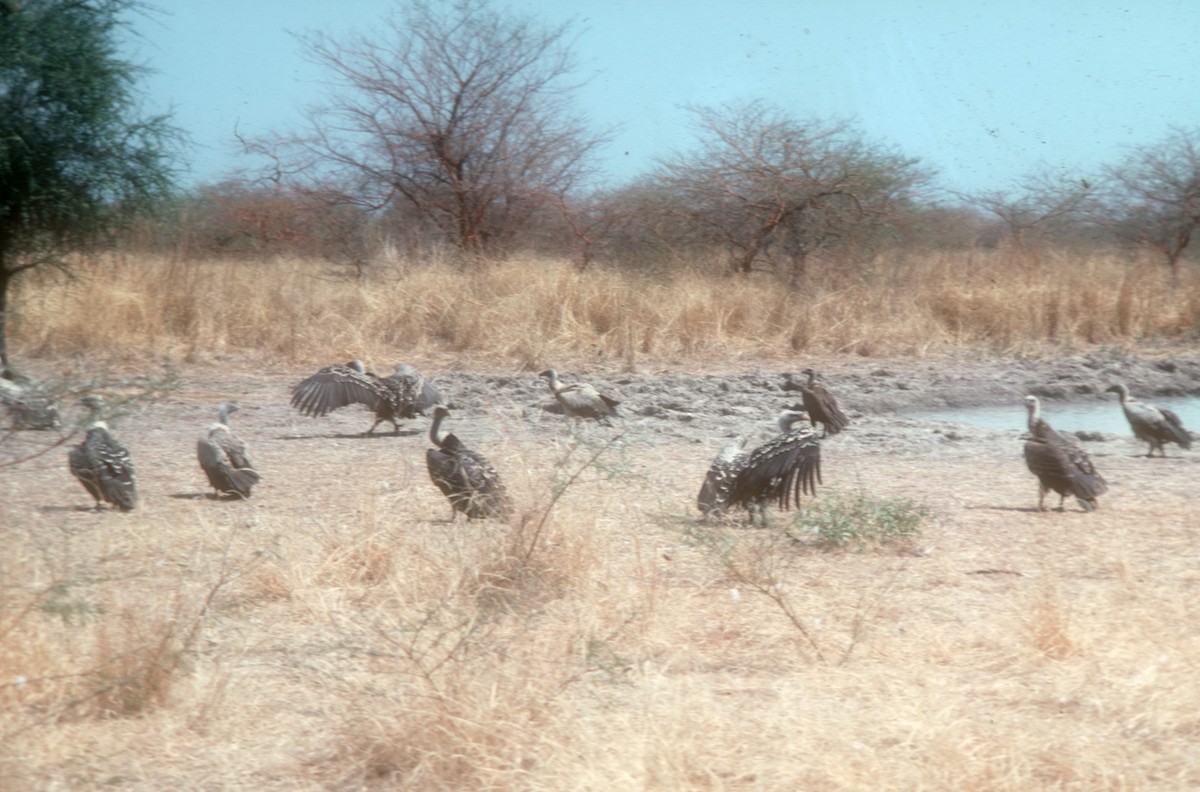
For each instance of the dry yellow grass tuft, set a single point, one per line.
(530, 311)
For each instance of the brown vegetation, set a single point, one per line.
(535, 311)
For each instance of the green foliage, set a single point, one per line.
(76, 158)
(72, 608)
(859, 520)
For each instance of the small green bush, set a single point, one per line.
(858, 520)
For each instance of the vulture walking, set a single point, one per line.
(403, 394)
(777, 471)
(1059, 464)
(821, 405)
(581, 400)
(103, 465)
(1154, 425)
(464, 476)
(224, 459)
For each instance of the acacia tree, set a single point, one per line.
(1152, 197)
(760, 181)
(1042, 203)
(459, 111)
(76, 158)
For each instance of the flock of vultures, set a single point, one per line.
(774, 473)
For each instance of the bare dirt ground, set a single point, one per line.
(988, 554)
(684, 415)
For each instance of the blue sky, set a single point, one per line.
(982, 91)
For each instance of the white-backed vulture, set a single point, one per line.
(465, 477)
(581, 400)
(403, 394)
(1154, 425)
(103, 465)
(29, 405)
(224, 458)
(1059, 464)
(777, 471)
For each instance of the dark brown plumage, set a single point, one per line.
(822, 406)
(403, 394)
(465, 477)
(224, 458)
(713, 499)
(581, 400)
(103, 465)
(777, 471)
(1059, 464)
(1154, 425)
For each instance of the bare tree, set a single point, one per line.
(459, 111)
(761, 182)
(239, 218)
(587, 223)
(1153, 196)
(1042, 203)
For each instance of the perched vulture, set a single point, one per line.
(1059, 464)
(464, 476)
(224, 459)
(29, 405)
(821, 405)
(103, 465)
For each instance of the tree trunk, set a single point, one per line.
(1176, 250)
(5, 278)
(1173, 259)
(744, 264)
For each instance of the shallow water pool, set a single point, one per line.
(1095, 416)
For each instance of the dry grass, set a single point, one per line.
(335, 632)
(326, 636)
(531, 311)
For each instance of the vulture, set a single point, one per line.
(464, 476)
(29, 405)
(1154, 425)
(403, 394)
(223, 457)
(714, 492)
(103, 465)
(1059, 464)
(581, 400)
(821, 405)
(778, 471)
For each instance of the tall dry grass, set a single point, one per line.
(530, 311)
